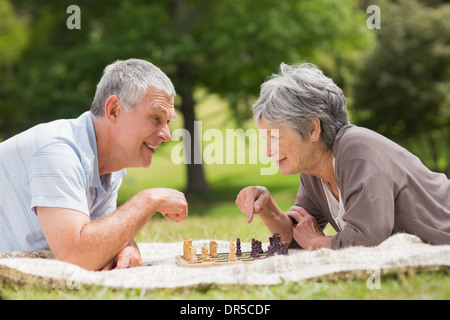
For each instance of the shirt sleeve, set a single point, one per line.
(57, 179)
(108, 204)
(369, 205)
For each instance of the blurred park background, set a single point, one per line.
(396, 77)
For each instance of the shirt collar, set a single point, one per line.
(96, 181)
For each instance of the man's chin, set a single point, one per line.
(146, 165)
(143, 164)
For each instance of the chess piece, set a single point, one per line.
(276, 242)
(194, 255)
(213, 249)
(260, 249)
(205, 256)
(284, 248)
(232, 255)
(270, 251)
(187, 245)
(238, 247)
(255, 249)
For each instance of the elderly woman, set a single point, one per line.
(366, 186)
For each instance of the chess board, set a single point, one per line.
(221, 260)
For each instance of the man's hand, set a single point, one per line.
(130, 256)
(307, 232)
(252, 200)
(170, 202)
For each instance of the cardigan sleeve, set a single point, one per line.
(369, 204)
(307, 198)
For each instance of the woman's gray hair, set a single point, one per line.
(129, 80)
(298, 94)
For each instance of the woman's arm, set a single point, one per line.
(257, 200)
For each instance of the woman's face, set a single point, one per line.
(287, 149)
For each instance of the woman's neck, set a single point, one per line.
(325, 167)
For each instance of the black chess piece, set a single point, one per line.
(270, 251)
(276, 243)
(255, 249)
(284, 248)
(238, 247)
(260, 247)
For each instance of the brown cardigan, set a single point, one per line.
(385, 189)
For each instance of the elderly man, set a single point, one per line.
(59, 180)
(366, 186)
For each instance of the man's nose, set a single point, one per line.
(164, 133)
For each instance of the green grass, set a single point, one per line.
(400, 285)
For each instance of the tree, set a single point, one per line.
(227, 47)
(403, 87)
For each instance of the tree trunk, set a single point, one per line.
(196, 181)
(183, 19)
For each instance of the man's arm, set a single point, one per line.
(72, 237)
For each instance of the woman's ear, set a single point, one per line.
(315, 129)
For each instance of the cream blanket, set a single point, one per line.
(161, 271)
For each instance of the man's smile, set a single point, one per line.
(151, 147)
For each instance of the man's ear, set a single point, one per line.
(112, 108)
(315, 129)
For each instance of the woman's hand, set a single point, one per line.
(257, 200)
(252, 200)
(307, 232)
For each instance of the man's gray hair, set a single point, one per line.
(298, 94)
(129, 80)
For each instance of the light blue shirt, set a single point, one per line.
(51, 165)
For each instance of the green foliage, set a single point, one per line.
(13, 35)
(226, 46)
(403, 86)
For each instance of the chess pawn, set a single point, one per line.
(260, 249)
(213, 249)
(194, 255)
(255, 250)
(187, 245)
(270, 251)
(232, 255)
(238, 247)
(276, 242)
(204, 256)
(284, 248)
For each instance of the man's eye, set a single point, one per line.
(155, 117)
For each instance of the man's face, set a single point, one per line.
(140, 131)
